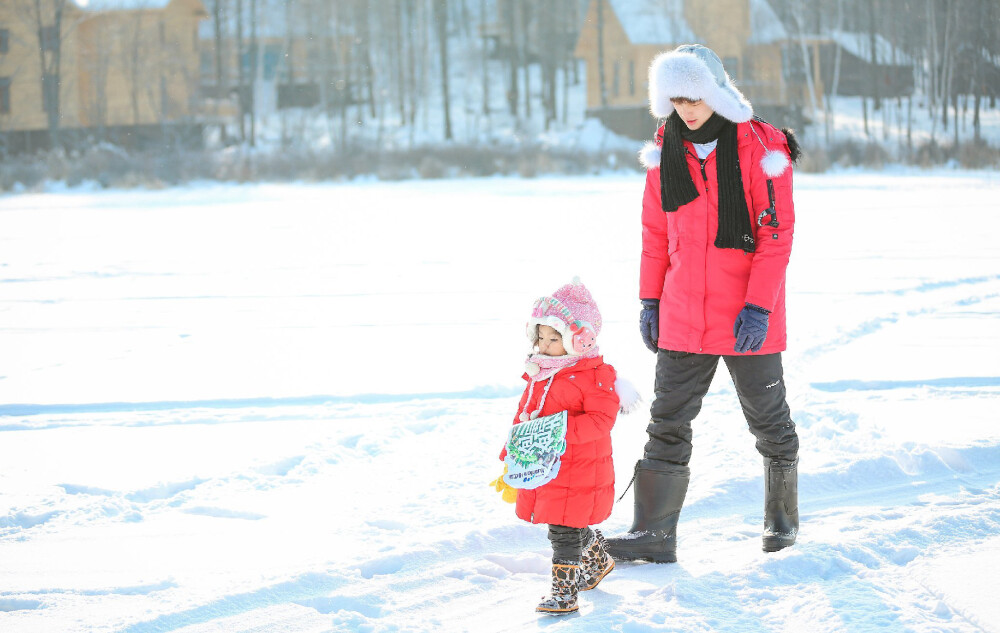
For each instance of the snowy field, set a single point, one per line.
(277, 408)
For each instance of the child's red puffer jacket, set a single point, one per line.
(584, 491)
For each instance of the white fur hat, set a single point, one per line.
(693, 71)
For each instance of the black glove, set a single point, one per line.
(750, 328)
(649, 323)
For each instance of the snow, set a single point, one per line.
(654, 21)
(120, 5)
(859, 45)
(277, 408)
(765, 25)
(887, 126)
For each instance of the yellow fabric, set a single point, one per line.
(506, 492)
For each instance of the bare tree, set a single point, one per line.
(485, 61)
(600, 54)
(98, 63)
(513, 61)
(134, 61)
(243, 98)
(363, 42)
(797, 9)
(441, 28)
(555, 20)
(984, 41)
(47, 19)
(873, 45)
(835, 81)
(524, 54)
(218, 14)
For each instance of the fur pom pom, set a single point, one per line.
(774, 163)
(649, 155)
(628, 396)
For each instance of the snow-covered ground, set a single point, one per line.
(277, 408)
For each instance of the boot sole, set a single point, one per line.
(599, 578)
(774, 544)
(557, 611)
(657, 557)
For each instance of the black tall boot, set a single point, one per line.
(659, 495)
(781, 503)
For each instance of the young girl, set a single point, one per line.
(565, 372)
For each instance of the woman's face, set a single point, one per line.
(693, 113)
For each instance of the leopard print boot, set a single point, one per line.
(596, 562)
(564, 590)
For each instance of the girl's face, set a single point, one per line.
(693, 113)
(550, 341)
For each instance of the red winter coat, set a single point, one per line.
(702, 288)
(584, 490)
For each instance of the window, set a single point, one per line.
(49, 38)
(273, 54)
(792, 64)
(4, 41)
(4, 95)
(631, 76)
(614, 81)
(304, 95)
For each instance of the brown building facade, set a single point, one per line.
(96, 67)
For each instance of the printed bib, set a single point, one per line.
(534, 449)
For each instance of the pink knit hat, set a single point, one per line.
(572, 312)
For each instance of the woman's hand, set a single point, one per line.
(750, 328)
(649, 323)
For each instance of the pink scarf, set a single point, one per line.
(541, 367)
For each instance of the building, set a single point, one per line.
(277, 54)
(746, 34)
(118, 70)
(887, 73)
(770, 66)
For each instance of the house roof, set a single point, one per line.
(765, 25)
(654, 21)
(859, 45)
(119, 5)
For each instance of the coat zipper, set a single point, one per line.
(704, 177)
(701, 161)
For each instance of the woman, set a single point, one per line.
(717, 224)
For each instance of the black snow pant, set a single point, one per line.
(683, 379)
(567, 543)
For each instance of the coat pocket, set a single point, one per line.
(673, 233)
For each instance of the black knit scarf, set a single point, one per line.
(677, 188)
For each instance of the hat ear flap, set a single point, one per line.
(584, 340)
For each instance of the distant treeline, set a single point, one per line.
(372, 73)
